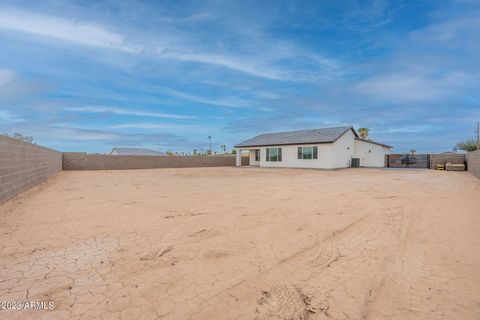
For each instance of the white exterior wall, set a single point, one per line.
(374, 158)
(289, 157)
(330, 155)
(343, 150)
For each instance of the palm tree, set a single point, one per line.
(210, 139)
(224, 148)
(363, 132)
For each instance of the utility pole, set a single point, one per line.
(478, 135)
(210, 138)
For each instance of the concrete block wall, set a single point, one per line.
(23, 165)
(473, 162)
(83, 161)
(443, 158)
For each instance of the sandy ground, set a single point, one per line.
(228, 243)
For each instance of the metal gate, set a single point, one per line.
(408, 160)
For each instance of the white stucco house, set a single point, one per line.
(325, 148)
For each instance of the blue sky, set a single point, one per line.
(90, 75)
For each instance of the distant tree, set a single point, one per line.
(194, 152)
(413, 151)
(467, 145)
(223, 147)
(363, 132)
(21, 137)
(169, 152)
(234, 151)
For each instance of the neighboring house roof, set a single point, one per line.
(136, 152)
(374, 142)
(322, 135)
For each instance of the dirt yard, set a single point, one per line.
(228, 243)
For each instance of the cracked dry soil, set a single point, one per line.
(246, 243)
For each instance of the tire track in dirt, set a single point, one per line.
(273, 249)
(330, 267)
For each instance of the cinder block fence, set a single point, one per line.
(83, 161)
(23, 165)
(443, 158)
(473, 162)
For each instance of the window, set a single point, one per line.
(274, 154)
(257, 155)
(307, 152)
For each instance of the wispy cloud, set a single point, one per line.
(461, 31)
(406, 129)
(269, 95)
(128, 112)
(230, 62)
(63, 29)
(97, 35)
(105, 140)
(258, 64)
(285, 62)
(15, 88)
(166, 126)
(72, 133)
(139, 70)
(221, 102)
(412, 86)
(7, 116)
(6, 76)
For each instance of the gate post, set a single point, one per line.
(238, 158)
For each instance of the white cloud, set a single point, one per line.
(232, 63)
(283, 62)
(63, 132)
(406, 129)
(266, 62)
(63, 29)
(6, 76)
(268, 95)
(229, 102)
(411, 86)
(167, 126)
(121, 111)
(96, 35)
(7, 116)
(464, 29)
